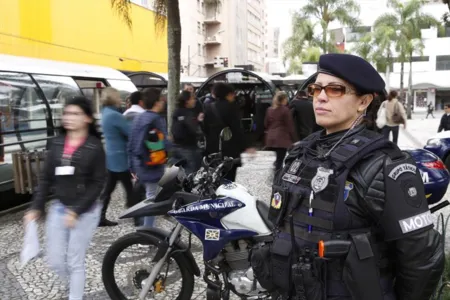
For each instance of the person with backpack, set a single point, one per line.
(148, 145)
(395, 115)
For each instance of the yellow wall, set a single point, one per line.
(82, 31)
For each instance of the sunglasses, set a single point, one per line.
(331, 90)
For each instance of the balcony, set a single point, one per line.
(213, 40)
(211, 19)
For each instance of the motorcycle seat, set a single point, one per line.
(263, 210)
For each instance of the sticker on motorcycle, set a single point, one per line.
(212, 234)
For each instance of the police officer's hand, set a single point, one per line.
(70, 219)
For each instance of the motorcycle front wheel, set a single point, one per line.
(139, 274)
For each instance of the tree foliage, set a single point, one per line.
(316, 16)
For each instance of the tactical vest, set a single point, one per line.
(308, 217)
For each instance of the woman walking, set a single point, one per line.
(75, 170)
(395, 115)
(280, 130)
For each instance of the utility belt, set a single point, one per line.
(341, 268)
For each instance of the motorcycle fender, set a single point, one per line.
(163, 245)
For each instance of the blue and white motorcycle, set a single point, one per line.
(226, 218)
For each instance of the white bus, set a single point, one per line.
(32, 95)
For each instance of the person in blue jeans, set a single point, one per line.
(75, 170)
(138, 153)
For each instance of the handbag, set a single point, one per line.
(381, 116)
(397, 117)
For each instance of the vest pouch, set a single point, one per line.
(260, 261)
(361, 273)
(314, 279)
(278, 205)
(281, 263)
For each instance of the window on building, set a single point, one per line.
(442, 62)
(420, 58)
(199, 49)
(444, 33)
(199, 28)
(203, 30)
(199, 5)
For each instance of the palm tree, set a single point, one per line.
(303, 29)
(344, 11)
(171, 9)
(406, 22)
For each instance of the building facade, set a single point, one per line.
(430, 69)
(82, 31)
(234, 30)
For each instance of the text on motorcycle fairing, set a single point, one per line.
(208, 207)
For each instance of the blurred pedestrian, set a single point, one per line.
(148, 145)
(280, 130)
(186, 132)
(75, 171)
(115, 131)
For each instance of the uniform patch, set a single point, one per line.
(410, 193)
(291, 178)
(212, 234)
(276, 201)
(402, 168)
(347, 189)
(416, 222)
(294, 166)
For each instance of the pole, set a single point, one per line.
(189, 61)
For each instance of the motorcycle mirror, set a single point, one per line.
(226, 134)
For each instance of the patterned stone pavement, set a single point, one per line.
(35, 281)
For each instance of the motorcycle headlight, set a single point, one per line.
(433, 142)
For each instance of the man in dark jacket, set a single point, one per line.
(220, 114)
(445, 120)
(303, 114)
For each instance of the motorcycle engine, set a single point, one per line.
(241, 274)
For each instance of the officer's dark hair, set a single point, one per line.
(150, 96)
(392, 95)
(135, 97)
(183, 98)
(446, 105)
(221, 90)
(372, 111)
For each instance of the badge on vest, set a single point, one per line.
(320, 181)
(347, 189)
(276, 201)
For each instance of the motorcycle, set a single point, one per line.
(227, 219)
(223, 215)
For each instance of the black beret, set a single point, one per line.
(353, 69)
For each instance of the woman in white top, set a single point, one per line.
(395, 115)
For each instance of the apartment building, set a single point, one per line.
(235, 30)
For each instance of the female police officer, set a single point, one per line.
(351, 217)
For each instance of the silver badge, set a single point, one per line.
(294, 167)
(320, 181)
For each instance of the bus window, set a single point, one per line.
(57, 90)
(91, 89)
(23, 114)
